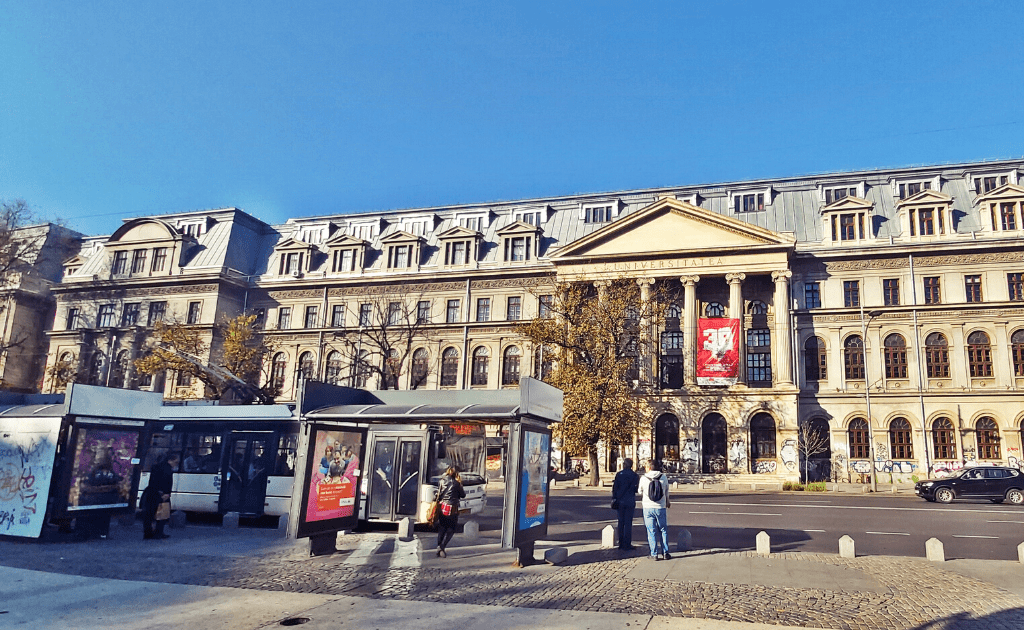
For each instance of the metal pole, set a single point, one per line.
(920, 370)
(867, 395)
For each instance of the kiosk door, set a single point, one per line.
(394, 480)
(244, 480)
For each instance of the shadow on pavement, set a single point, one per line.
(1009, 619)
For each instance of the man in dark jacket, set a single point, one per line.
(161, 482)
(624, 493)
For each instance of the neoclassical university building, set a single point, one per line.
(884, 308)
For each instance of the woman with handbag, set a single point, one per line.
(449, 493)
(156, 498)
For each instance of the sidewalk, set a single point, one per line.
(206, 577)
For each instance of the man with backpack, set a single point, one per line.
(655, 502)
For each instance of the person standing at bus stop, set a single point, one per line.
(449, 493)
(156, 494)
(624, 499)
(655, 501)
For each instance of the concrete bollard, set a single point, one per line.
(934, 551)
(764, 543)
(471, 530)
(282, 523)
(556, 555)
(177, 520)
(684, 542)
(847, 548)
(608, 537)
(405, 529)
(230, 520)
(1020, 553)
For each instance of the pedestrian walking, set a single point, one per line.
(655, 502)
(624, 501)
(449, 493)
(156, 498)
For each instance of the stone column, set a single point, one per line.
(690, 329)
(602, 288)
(735, 281)
(783, 373)
(645, 347)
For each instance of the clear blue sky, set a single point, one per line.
(115, 109)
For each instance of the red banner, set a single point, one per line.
(718, 351)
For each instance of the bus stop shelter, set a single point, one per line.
(345, 415)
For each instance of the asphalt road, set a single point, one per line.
(812, 522)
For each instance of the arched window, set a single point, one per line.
(96, 365)
(360, 370)
(714, 309)
(815, 359)
(979, 354)
(420, 367)
(392, 369)
(853, 357)
(901, 441)
(333, 374)
(936, 355)
(762, 437)
(450, 367)
(481, 360)
(120, 370)
(510, 369)
(860, 440)
(1017, 348)
(666, 438)
(895, 356)
(673, 312)
(543, 362)
(944, 438)
(988, 438)
(277, 370)
(307, 365)
(144, 380)
(757, 307)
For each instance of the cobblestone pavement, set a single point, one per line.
(915, 594)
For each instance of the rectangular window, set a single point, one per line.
(106, 317)
(835, 194)
(458, 253)
(912, 188)
(1015, 284)
(891, 292)
(338, 316)
(394, 313)
(759, 356)
(311, 317)
(284, 318)
(470, 223)
(515, 309)
(518, 248)
(483, 309)
(291, 263)
(932, 290)
(74, 321)
(851, 293)
(261, 318)
(343, 260)
(1008, 216)
(972, 287)
(423, 312)
(139, 261)
(926, 221)
(365, 314)
(157, 311)
(847, 227)
(130, 314)
(400, 257)
(986, 184)
(194, 310)
(598, 214)
(159, 258)
(812, 295)
(120, 265)
(452, 312)
(750, 203)
(544, 306)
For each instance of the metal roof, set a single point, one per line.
(418, 413)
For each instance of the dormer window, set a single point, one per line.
(928, 213)
(750, 200)
(346, 253)
(532, 216)
(399, 256)
(597, 214)
(314, 234)
(120, 266)
(343, 260)
(476, 221)
(193, 227)
(982, 183)
(461, 246)
(831, 193)
(1005, 207)
(847, 220)
(517, 248)
(402, 251)
(907, 187)
(690, 198)
(291, 264)
(364, 230)
(520, 242)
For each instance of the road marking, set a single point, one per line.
(1018, 522)
(847, 507)
(821, 531)
(738, 513)
(889, 533)
(966, 536)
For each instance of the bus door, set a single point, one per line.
(244, 478)
(394, 476)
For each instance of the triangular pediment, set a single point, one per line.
(518, 227)
(458, 232)
(75, 261)
(847, 204)
(344, 240)
(670, 225)
(1006, 191)
(400, 237)
(291, 243)
(925, 197)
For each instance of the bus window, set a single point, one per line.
(287, 445)
(202, 453)
(462, 446)
(161, 445)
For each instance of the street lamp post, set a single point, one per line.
(867, 391)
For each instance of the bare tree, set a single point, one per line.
(393, 324)
(811, 442)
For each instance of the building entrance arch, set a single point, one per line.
(714, 434)
(666, 440)
(816, 454)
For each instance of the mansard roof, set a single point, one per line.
(847, 204)
(925, 197)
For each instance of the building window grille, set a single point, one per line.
(510, 370)
(853, 355)
(815, 359)
(895, 356)
(891, 292)
(450, 368)
(812, 295)
(481, 360)
(972, 288)
(936, 355)
(979, 355)
(944, 439)
(762, 437)
(988, 438)
(932, 290)
(483, 309)
(860, 440)
(1008, 216)
(851, 293)
(901, 444)
(515, 308)
(759, 356)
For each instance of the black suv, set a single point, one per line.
(996, 483)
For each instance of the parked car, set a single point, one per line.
(995, 483)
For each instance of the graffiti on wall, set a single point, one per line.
(691, 455)
(789, 454)
(861, 466)
(765, 466)
(968, 453)
(27, 449)
(738, 456)
(1014, 462)
(889, 466)
(945, 469)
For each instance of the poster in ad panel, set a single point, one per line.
(534, 481)
(718, 351)
(332, 480)
(102, 469)
(27, 449)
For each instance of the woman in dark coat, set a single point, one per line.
(449, 493)
(161, 482)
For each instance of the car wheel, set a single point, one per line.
(1015, 496)
(944, 495)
